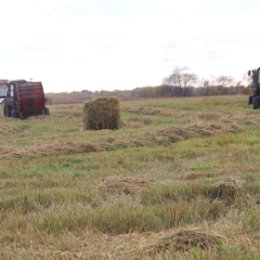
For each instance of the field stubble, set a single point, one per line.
(179, 180)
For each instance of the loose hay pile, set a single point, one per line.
(226, 190)
(186, 239)
(102, 113)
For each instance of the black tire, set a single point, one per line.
(4, 110)
(255, 102)
(21, 115)
(14, 113)
(7, 111)
(250, 100)
(46, 111)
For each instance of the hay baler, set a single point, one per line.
(255, 98)
(22, 99)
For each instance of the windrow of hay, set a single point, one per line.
(150, 111)
(186, 239)
(164, 136)
(125, 185)
(102, 113)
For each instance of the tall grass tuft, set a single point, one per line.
(119, 220)
(163, 193)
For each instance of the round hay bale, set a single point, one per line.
(102, 113)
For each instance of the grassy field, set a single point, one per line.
(179, 180)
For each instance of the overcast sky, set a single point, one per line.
(122, 44)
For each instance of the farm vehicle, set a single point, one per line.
(255, 98)
(22, 99)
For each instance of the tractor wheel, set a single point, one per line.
(21, 115)
(4, 110)
(255, 102)
(46, 111)
(14, 113)
(7, 111)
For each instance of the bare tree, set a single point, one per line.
(224, 81)
(205, 84)
(181, 78)
(188, 79)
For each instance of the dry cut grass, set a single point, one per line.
(179, 180)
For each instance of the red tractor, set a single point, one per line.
(22, 99)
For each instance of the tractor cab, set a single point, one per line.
(3, 91)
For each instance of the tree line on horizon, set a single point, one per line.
(180, 83)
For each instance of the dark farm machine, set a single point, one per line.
(22, 99)
(255, 98)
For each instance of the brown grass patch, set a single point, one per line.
(11, 129)
(125, 185)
